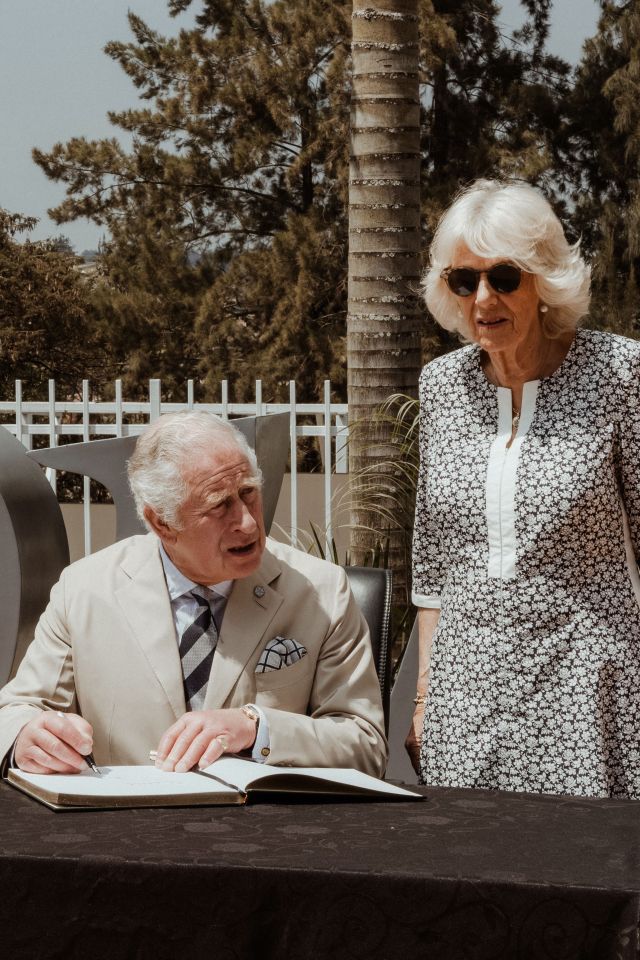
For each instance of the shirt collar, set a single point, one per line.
(178, 584)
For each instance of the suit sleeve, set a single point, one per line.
(44, 680)
(345, 722)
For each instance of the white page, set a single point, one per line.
(240, 772)
(138, 781)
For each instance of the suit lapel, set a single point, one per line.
(251, 607)
(144, 600)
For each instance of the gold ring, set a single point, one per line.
(223, 743)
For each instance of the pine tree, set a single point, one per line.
(145, 306)
(44, 306)
(604, 148)
(493, 103)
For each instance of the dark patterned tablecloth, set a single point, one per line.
(468, 875)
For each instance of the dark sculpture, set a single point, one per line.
(33, 549)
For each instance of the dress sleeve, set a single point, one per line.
(629, 455)
(428, 569)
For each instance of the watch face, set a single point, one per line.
(253, 713)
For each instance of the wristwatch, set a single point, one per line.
(251, 712)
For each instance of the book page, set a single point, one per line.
(242, 773)
(138, 781)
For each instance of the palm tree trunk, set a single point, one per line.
(383, 335)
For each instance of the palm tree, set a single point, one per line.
(383, 336)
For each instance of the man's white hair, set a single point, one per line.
(510, 221)
(167, 447)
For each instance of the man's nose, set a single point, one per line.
(244, 519)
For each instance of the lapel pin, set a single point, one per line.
(258, 592)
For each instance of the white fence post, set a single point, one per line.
(86, 483)
(293, 457)
(53, 439)
(154, 400)
(118, 408)
(342, 443)
(327, 466)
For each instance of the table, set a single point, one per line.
(468, 875)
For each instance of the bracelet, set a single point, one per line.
(420, 699)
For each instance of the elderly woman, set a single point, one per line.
(527, 532)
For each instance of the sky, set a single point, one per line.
(57, 83)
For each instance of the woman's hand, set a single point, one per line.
(414, 737)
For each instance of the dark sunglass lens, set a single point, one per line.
(462, 282)
(504, 278)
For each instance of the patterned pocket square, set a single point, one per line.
(280, 652)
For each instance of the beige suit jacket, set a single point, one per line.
(106, 648)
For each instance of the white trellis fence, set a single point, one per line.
(97, 419)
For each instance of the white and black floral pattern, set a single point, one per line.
(535, 679)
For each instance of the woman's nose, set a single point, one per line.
(485, 292)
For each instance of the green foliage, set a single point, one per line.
(145, 304)
(493, 104)
(278, 313)
(387, 491)
(377, 557)
(603, 155)
(389, 487)
(44, 304)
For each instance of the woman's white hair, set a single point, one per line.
(510, 221)
(168, 445)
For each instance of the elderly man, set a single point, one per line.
(200, 637)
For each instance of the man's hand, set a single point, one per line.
(414, 737)
(54, 743)
(201, 736)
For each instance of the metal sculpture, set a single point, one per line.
(33, 549)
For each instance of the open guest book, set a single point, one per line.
(228, 780)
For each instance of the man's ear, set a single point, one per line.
(159, 527)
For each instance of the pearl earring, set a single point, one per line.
(543, 308)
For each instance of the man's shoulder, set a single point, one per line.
(304, 564)
(131, 551)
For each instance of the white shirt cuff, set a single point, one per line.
(422, 600)
(262, 746)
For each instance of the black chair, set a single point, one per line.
(371, 588)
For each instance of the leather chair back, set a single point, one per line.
(371, 588)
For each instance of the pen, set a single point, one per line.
(91, 763)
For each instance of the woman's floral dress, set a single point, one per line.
(531, 551)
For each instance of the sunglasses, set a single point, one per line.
(463, 281)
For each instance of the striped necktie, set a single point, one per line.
(197, 647)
